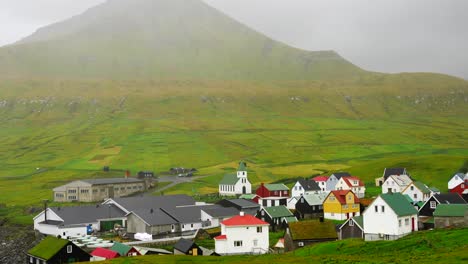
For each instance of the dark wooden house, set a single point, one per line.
(187, 247)
(428, 208)
(310, 206)
(54, 250)
(276, 216)
(352, 228)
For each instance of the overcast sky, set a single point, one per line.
(380, 35)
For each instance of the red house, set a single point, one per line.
(461, 188)
(272, 195)
(103, 254)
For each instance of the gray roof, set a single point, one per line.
(243, 204)
(184, 245)
(187, 214)
(449, 198)
(111, 181)
(76, 215)
(338, 175)
(155, 202)
(394, 171)
(220, 211)
(154, 217)
(315, 199)
(309, 185)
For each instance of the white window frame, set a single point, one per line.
(433, 204)
(69, 249)
(351, 223)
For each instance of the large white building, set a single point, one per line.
(78, 220)
(236, 184)
(389, 217)
(396, 183)
(242, 234)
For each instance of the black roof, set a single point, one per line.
(155, 202)
(338, 175)
(309, 185)
(184, 245)
(74, 215)
(394, 171)
(220, 211)
(239, 203)
(449, 198)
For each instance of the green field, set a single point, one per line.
(53, 132)
(438, 246)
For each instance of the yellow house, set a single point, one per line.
(341, 205)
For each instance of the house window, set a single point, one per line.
(191, 225)
(351, 223)
(31, 260)
(263, 213)
(332, 198)
(332, 214)
(345, 206)
(412, 188)
(286, 192)
(84, 191)
(376, 208)
(69, 249)
(383, 209)
(302, 200)
(407, 221)
(433, 205)
(350, 197)
(255, 242)
(103, 190)
(276, 192)
(415, 196)
(259, 229)
(129, 187)
(183, 226)
(238, 243)
(399, 222)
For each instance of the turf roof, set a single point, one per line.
(48, 247)
(312, 230)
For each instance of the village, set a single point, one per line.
(115, 218)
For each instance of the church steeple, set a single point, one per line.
(242, 170)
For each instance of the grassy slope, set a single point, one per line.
(70, 129)
(447, 246)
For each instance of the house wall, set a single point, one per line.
(334, 210)
(386, 222)
(246, 234)
(454, 182)
(426, 210)
(190, 226)
(450, 222)
(348, 231)
(239, 185)
(77, 255)
(322, 185)
(162, 229)
(291, 203)
(297, 190)
(227, 190)
(135, 224)
(358, 190)
(415, 194)
(269, 202)
(391, 184)
(331, 183)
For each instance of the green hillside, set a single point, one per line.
(163, 39)
(149, 85)
(447, 246)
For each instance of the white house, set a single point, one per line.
(302, 187)
(418, 191)
(242, 234)
(351, 183)
(236, 184)
(77, 220)
(322, 182)
(396, 183)
(389, 217)
(333, 180)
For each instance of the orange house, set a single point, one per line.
(341, 205)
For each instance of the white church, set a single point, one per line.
(236, 184)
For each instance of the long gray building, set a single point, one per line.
(96, 190)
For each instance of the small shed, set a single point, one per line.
(187, 247)
(352, 228)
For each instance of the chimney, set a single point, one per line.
(241, 213)
(45, 210)
(127, 174)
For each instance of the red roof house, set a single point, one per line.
(243, 220)
(105, 253)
